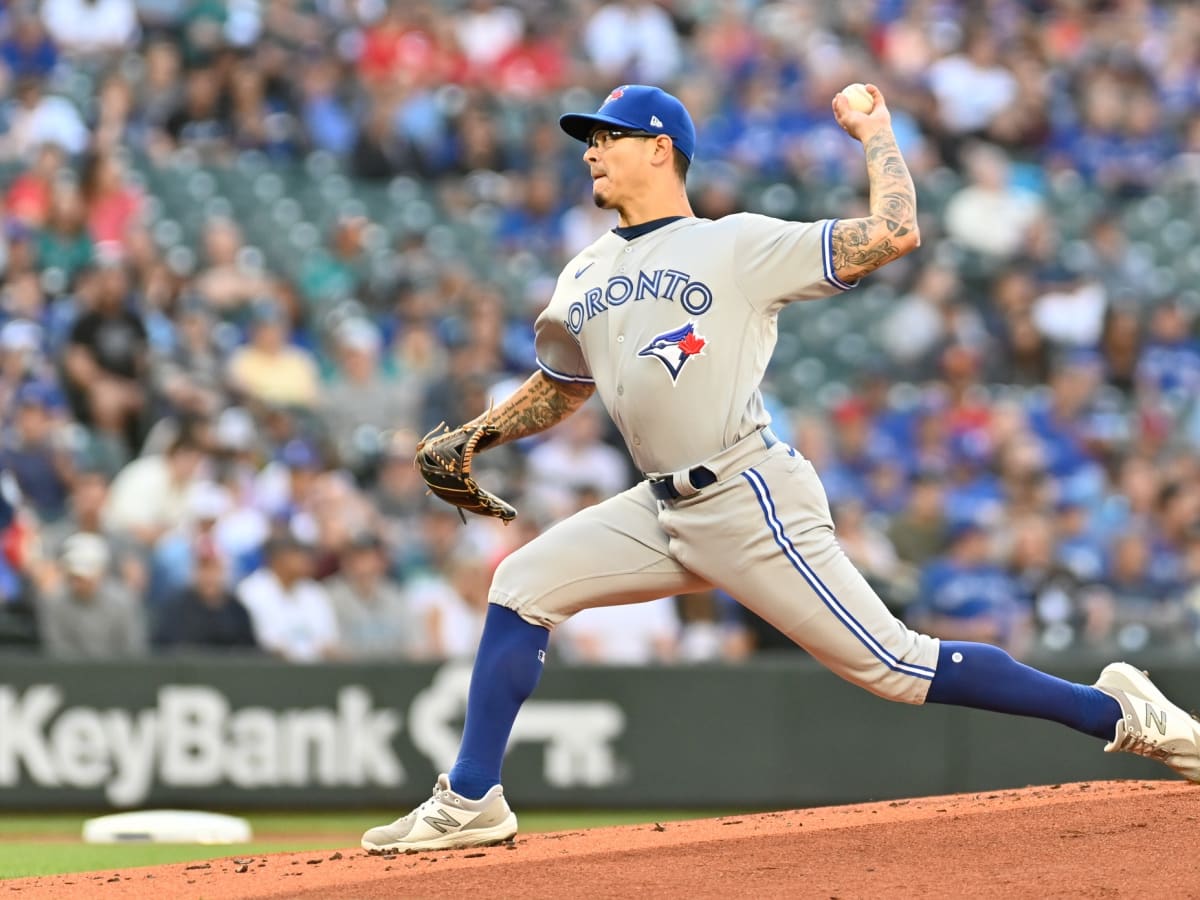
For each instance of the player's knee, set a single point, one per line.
(510, 582)
(514, 587)
(903, 688)
(899, 668)
(504, 579)
(890, 684)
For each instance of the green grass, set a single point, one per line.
(19, 859)
(49, 843)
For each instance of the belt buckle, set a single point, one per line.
(663, 489)
(699, 477)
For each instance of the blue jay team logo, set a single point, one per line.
(616, 94)
(674, 348)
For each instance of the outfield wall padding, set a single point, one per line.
(240, 733)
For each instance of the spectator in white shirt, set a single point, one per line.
(1072, 315)
(917, 322)
(451, 606)
(35, 119)
(990, 215)
(634, 634)
(487, 30)
(633, 41)
(972, 87)
(574, 459)
(91, 27)
(291, 614)
(149, 497)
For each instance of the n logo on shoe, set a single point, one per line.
(443, 822)
(1160, 720)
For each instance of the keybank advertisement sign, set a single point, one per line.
(274, 731)
(194, 738)
(247, 733)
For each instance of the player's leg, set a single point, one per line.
(788, 568)
(1123, 707)
(765, 536)
(607, 554)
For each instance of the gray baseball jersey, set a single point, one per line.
(675, 326)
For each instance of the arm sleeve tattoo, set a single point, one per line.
(861, 246)
(535, 406)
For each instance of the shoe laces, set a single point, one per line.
(427, 804)
(443, 795)
(1143, 746)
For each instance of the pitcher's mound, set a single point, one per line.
(1099, 839)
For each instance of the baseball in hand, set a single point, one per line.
(859, 98)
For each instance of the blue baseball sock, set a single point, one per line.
(985, 677)
(507, 668)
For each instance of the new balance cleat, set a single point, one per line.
(446, 821)
(1151, 725)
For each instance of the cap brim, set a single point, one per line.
(580, 125)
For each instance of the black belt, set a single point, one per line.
(700, 477)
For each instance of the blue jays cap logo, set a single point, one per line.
(674, 348)
(637, 106)
(617, 94)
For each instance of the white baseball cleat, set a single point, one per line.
(1152, 725)
(446, 821)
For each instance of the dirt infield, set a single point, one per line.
(1099, 839)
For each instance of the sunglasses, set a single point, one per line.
(602, 138)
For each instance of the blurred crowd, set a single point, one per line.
(200, 449)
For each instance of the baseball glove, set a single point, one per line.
(444, 460)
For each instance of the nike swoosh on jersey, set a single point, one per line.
(579, 272)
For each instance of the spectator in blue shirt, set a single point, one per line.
(1059, 422)
(1078, 550)
(1170, 363)
(38, 460)
(973, 492)
(1176, 518)
(964, 596)
(328, 119)
(533, 220)
(205, 614)
(27, 51)
(1144, 608)
(13, 529)
(857, 447)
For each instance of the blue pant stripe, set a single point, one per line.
(763, 494)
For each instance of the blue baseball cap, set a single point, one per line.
(961, 528)
(299, 454)
(639, 107)
(38, 393)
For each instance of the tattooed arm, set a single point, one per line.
(536, 405)
(860, 246)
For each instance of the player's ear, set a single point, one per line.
(664, 150)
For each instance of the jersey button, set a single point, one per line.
(620, 390)
(620, 338)
(637, 442)
(628, 249)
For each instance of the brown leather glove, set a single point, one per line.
(444, 460)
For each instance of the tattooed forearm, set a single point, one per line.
(861, 246)
(536, 405)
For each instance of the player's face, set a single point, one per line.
(612, 156)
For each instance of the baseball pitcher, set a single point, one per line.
(672, 320)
